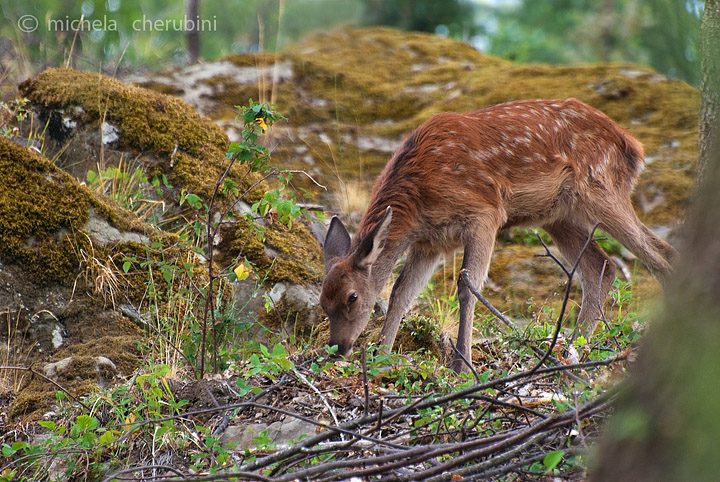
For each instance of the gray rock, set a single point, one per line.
(280, 433)
(105, 234)
(299, 307)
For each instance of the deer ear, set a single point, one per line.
(337, 243)
(371, 247)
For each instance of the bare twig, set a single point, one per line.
(309, 177)
(366, 388)
(484, 301)
(304, 379)
(561, 316)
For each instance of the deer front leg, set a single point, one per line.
(476, 259)
(419, 266)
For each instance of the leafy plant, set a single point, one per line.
(212, 322)
(74, 450)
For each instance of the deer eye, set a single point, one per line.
(352, 298)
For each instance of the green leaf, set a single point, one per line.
(86, 422)
(264, 350)
(107, 437)
(245, 156)
(279, 350)
(552, 459)
(194, 200)
(8, 451)
(255, 360)
(20, 445)
(47, 424)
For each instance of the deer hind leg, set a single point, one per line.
(620, 221)
(419, 266)
(476, 260)
(570, 239)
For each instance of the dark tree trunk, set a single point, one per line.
(667, 427)
(193, 35)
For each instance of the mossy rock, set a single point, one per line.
(284, 255)
(47, 214)
(54, 235)
(168, 138)
(187, 147)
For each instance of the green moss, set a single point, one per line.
(162, 88)
(251, 60)
(122, 350)
(379, 74)
(31, 401)
(146, 120)
(43, 211)
(230, 93)
(185, 146)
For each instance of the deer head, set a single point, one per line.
(349, 291)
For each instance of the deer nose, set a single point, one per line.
(344, 350)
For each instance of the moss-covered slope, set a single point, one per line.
(54, 235)
(95, 121)
(186, 146)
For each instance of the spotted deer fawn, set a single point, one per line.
(458, 179)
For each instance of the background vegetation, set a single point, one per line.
(659, 33)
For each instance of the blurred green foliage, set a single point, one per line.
(659, 33)
(451, 17)
(150, 34)
(143, 35)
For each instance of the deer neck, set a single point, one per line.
(396, 244)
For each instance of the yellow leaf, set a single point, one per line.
(241, 271)
(261, 122)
